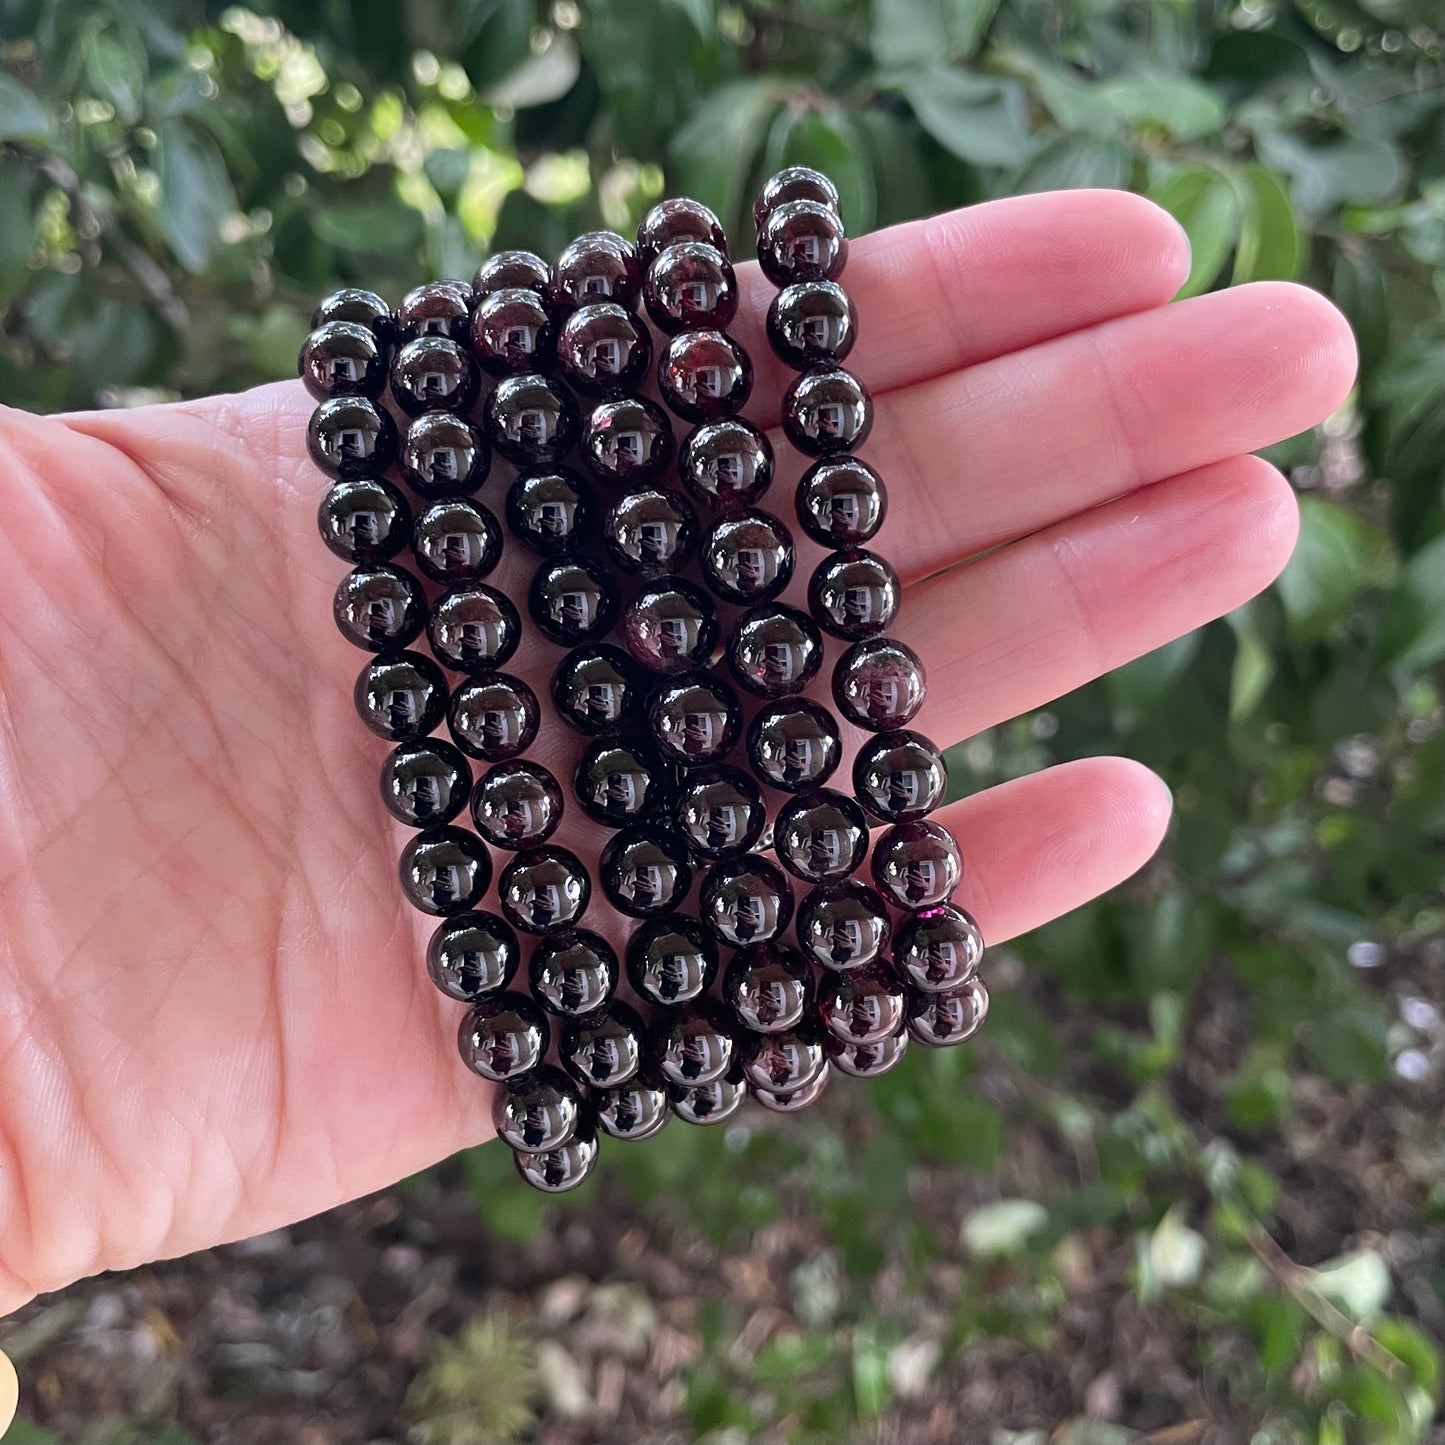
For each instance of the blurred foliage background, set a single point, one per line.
(1191, 1179)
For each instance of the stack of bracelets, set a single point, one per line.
(659, 573)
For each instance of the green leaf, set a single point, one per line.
(1269, 240)
(117, 73)
(715, 151)
(826, 139)
(900, 182)
(1337, 556)
(196, 195)
(17, 227)
(1177, 104)
(1074, 162)
(1004, 1227)
(1254, 665)
(386, 228)
(1136, 688)
(923, 32)
(1329, 174)
(979, 119)
(1349, 1045)
(1206, 204)
(1357, 1282)
(22, 116)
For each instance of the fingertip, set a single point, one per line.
(1317, 333)
(1160, 245)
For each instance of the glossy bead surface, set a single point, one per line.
(572, 599)
(502, 1037)
(512, 333)
(367, 520)
(841, 502)
(595, 687)
(425, 782)
(616, 781)
(854, 594)
(918, 864)
(844, 925)
(433, 373)
(517, 804)
(938, 950)
(509, 271)
(791, 1101)
(678, 219)
(786, 1060)
(864, 1006)
(710, 1103)
(671, 960)
(597, 266)
(802, 241)
(437, 308)
(544, 889)
(747, 557)
(350, 436)
(650, 532)
(538, 1111)
(746, 901)
(866, 1061)
(530, 421)
(549, 511)
(472, 956)
(689, 285)
(694, 1045)
(670, 626)
(456, 540)
(352, 303)
(644, 870)
(494, 717)
(342, 358)
(445, 870)
(603, 347)
(794, 183)
(704, 375)
(637, 1110)
(473, 628)
(694, 718)
(719, 810)
(879, 684)
(380, 607)
(827, 410)
(811, 323)
(627, 442)
(775, 650)
(794, 745)
(769, 989)
(555, 1171)
(573, 972)
(939, 1019)
(442, 456)
(821, 837)
(726, 463)
(604, 1049)
(400, 695)
(900, 776)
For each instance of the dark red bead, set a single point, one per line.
(637, 1110)
(342, 358)
(841, 502)
(572, 599)
(597, 266)
(727, 463)
(694, 718)
(821, 837)
(939, 1019)
(511, 270)
(604, 1049)
(503, 1037)
(670, 626)
(539, 1111)
(602, 347)
(710, 1103)
(351, 437)
(671, 960)
(494, 717)
(746, 900)
(689, 285)
(644, 870)
(787, 1060)
(900, 776)
(544, 890)
(769, 989)
(794, 183)
(380, 607)
(352, 303)
(437, 308)
(400, 695)
(472, 956)
(517, 804)
(445, 870)
(918, 864)
(549, 511)
(456, 540)
(844, 925)
(879, 684)
(555, 1171)
(443, 456)
(854, 594)
(704, 375)
(794, 745)
(939, 950)
(862, 1006)
(791, 1101)
(425, 782)
(433, 373)
(678, 219)
(775, 650)
(595, 687)
(627, 442)
(812, 323)
(827, 410)
(866, 1061)
(695, 1045)
(802, 241)
(512, 333)
(473, 628)
(650, 532)
(719, 811)
(573, 972)
(530, 421)
(748, 556)
(616, 781)
(366, 520)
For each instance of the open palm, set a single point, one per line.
(214, 1017)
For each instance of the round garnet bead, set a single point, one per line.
(704, 375)
(517, 804)
(785, 1060)
(544, 889)
(671, 960)
(918, 865)
(511, 271)
(400, 695)
(939, 1019)
(503, 1037)
(841, 502)
(445, 870)
(650, 532)
(351, 437)
(603, 346)
(710, 1103)
(854, 594)
(695, 1045)
(879, 684)
(379, 607)
(812, 323)
(748, 556)
(572, 599)
(433, 373)
(939, 950)
(862, 1006)
(530, 421)
(555, 1171)
(627, 442)
(844, 925)
(617, 781)
(900, 776)
(495, 717)
(794, 183)
(827, 410)
(473, 628)
(635, 1110)
(573, 972)
(442, 456)
(604, 1050)
(365, 520)
(802, 241)
(794, 745)
(436, 308)
(512, 332)
(343, 358)
(456, 540)
(775, 650)
(719, 811)
(821, 837)
(746, 900)
(472, 956)
(866, 1061)
(675, 220)
(352, 303)
(690, 285)
(538, 1111)
(791, 1101)
(549, 511)
(694, 718)
(726, 463)
(425, 782)
(769, 989)
(595, 687)
(644, 870)
(597, 266)
(670, 626)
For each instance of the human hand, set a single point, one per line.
(215, 1017)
